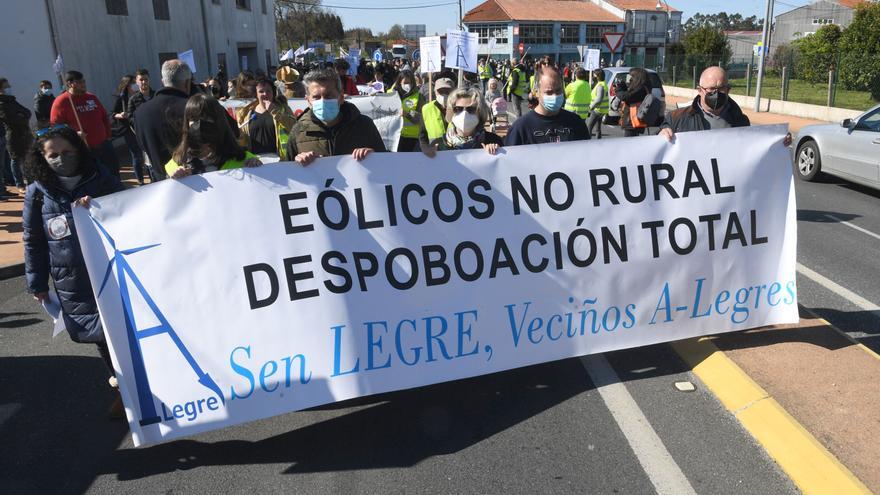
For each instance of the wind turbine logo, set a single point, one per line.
(125, 273)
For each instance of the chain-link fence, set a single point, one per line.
(841, 80)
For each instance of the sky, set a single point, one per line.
(438, 19)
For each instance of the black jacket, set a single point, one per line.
(16, 118)
(43, 107)
(691, 118)
(158, 125)
(354, 130)
(135, 102)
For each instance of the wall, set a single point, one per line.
(789, 24)
(26, 54)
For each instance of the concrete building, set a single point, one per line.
(742, 44)
(552, 27)
(105, 39)
(806, 20)
(650, 26)
(413, 31)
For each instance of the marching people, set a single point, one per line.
(598, 104)
(121, 126)
(467, 114)
(265, 123)
(207, 143)
(63, 171)
(43, 104)
(484, 68)
(631, 95)
(82, 111)
(549, 122)
(158, 122)
(411, 102)
(348, 85)
(517, 87)
(577, 95)
(331, 126)
(434, 115)
(15, 119)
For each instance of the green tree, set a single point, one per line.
(818, 53)
(706, 46)
(784, 55)
(724, 22)
(860, 51)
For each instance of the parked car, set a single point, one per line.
(849, 150)
(614, 74)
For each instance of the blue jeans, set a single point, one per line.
(137, 154)
(105, 154)
(9, 168)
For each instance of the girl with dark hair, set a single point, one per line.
(265, 123)
(244, 85)
(208, 143)
(122, 125)
(62, 171)
(411, 102)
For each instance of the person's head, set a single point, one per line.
(443, 87)
(581, 74)
(599, 75)
(212, 87)
(142, 78)
(265, 91)
(493, 85)
(466, 110)
(126, 86)
(176, 74)
(4, 85)
(57, 151)
(206, 134)
(46, 87)
(406, 81)
(244, 84)
(342, 67)
(75, 82)
(230, 87)
(550, 91)
(714, 89)
(324, 94)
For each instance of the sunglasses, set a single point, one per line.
(472, 109)
(46, 130)
(721, 89)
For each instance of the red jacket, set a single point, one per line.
(349, 87)
(91, 113)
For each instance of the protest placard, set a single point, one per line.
(430, 53)
(461, 50)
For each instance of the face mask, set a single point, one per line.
(65, 164)
(406, 87)
(465, 122)
(716, 100)
(325, 110)
(46, 91)
(552, 103)
(441, 99)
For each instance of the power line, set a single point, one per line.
(377, 8)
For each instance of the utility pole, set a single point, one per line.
(765, 42)
(460, 27)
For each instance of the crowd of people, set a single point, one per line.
(181, 127)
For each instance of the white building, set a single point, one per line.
(105, 39)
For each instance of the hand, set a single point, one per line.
(667, 133)
(252, 162)
(181, 173)
(84, 201)
(429, 150)
(41, 296)
(306, 158)
(491, 148)
(119, 116)
(786, 141)
(361, 153)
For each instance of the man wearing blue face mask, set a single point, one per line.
(331, 126)
(548, 122)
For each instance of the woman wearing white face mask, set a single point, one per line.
(411, 102)
(467, 113)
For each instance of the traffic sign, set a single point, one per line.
(377, 55)
(521, 48)
(613, 40)
(416, 53)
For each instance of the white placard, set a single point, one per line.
(430, 53)
(591, 59)
(189, 59)
(461, 50)
(345, 278)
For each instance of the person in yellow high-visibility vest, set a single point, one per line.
(599, 103)
(577, 95)
(434, 123)
(411, 101)
(517, 87)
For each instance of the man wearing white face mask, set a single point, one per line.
(467, 114)
(549, 122)
(434, 121)
(331, 126)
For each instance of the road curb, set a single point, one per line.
(11, 270)
(806, 461)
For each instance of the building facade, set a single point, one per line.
(650, 26)
(806, 20)
(555, 28)
(413, 31)
(743, 44)
(105, 39)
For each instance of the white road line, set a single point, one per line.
(658, 464)
(838, 289)
(853, 226)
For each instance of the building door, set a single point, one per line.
(248, 59)
(651, 58)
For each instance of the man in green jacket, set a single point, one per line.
(331, 126)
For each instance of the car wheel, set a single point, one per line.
(808, 162)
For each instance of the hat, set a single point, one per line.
(443, 82)
(287, 75)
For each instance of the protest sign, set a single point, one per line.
(429, 51)
(345, 278)
(188, 58)
(384, 109)
(461, 50)
(591, 59)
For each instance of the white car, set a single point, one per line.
(849, 150)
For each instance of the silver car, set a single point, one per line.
(849, 150)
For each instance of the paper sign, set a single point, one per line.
(189, 59)
(461, 50)
(591, 59)
(429, 49)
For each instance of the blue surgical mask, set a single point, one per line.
(325, 110)
(552, 103)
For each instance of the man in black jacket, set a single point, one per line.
(15, 119)
(158, 123)
(43, 104)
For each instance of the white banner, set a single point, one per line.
(384, 109)
(461, 50)
(344, 279)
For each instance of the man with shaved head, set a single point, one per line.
(548, 122)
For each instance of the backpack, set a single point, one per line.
(649, 110)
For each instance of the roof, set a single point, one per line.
(547, 10)
(849, 3)
(641, 5)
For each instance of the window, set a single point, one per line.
(822, 22)
(243, 4)
(485, 31)
(117, 7)
(160, 10)
(594, 33)
(570, 34)
(263, 4)
(166, 56)
(536, 34)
